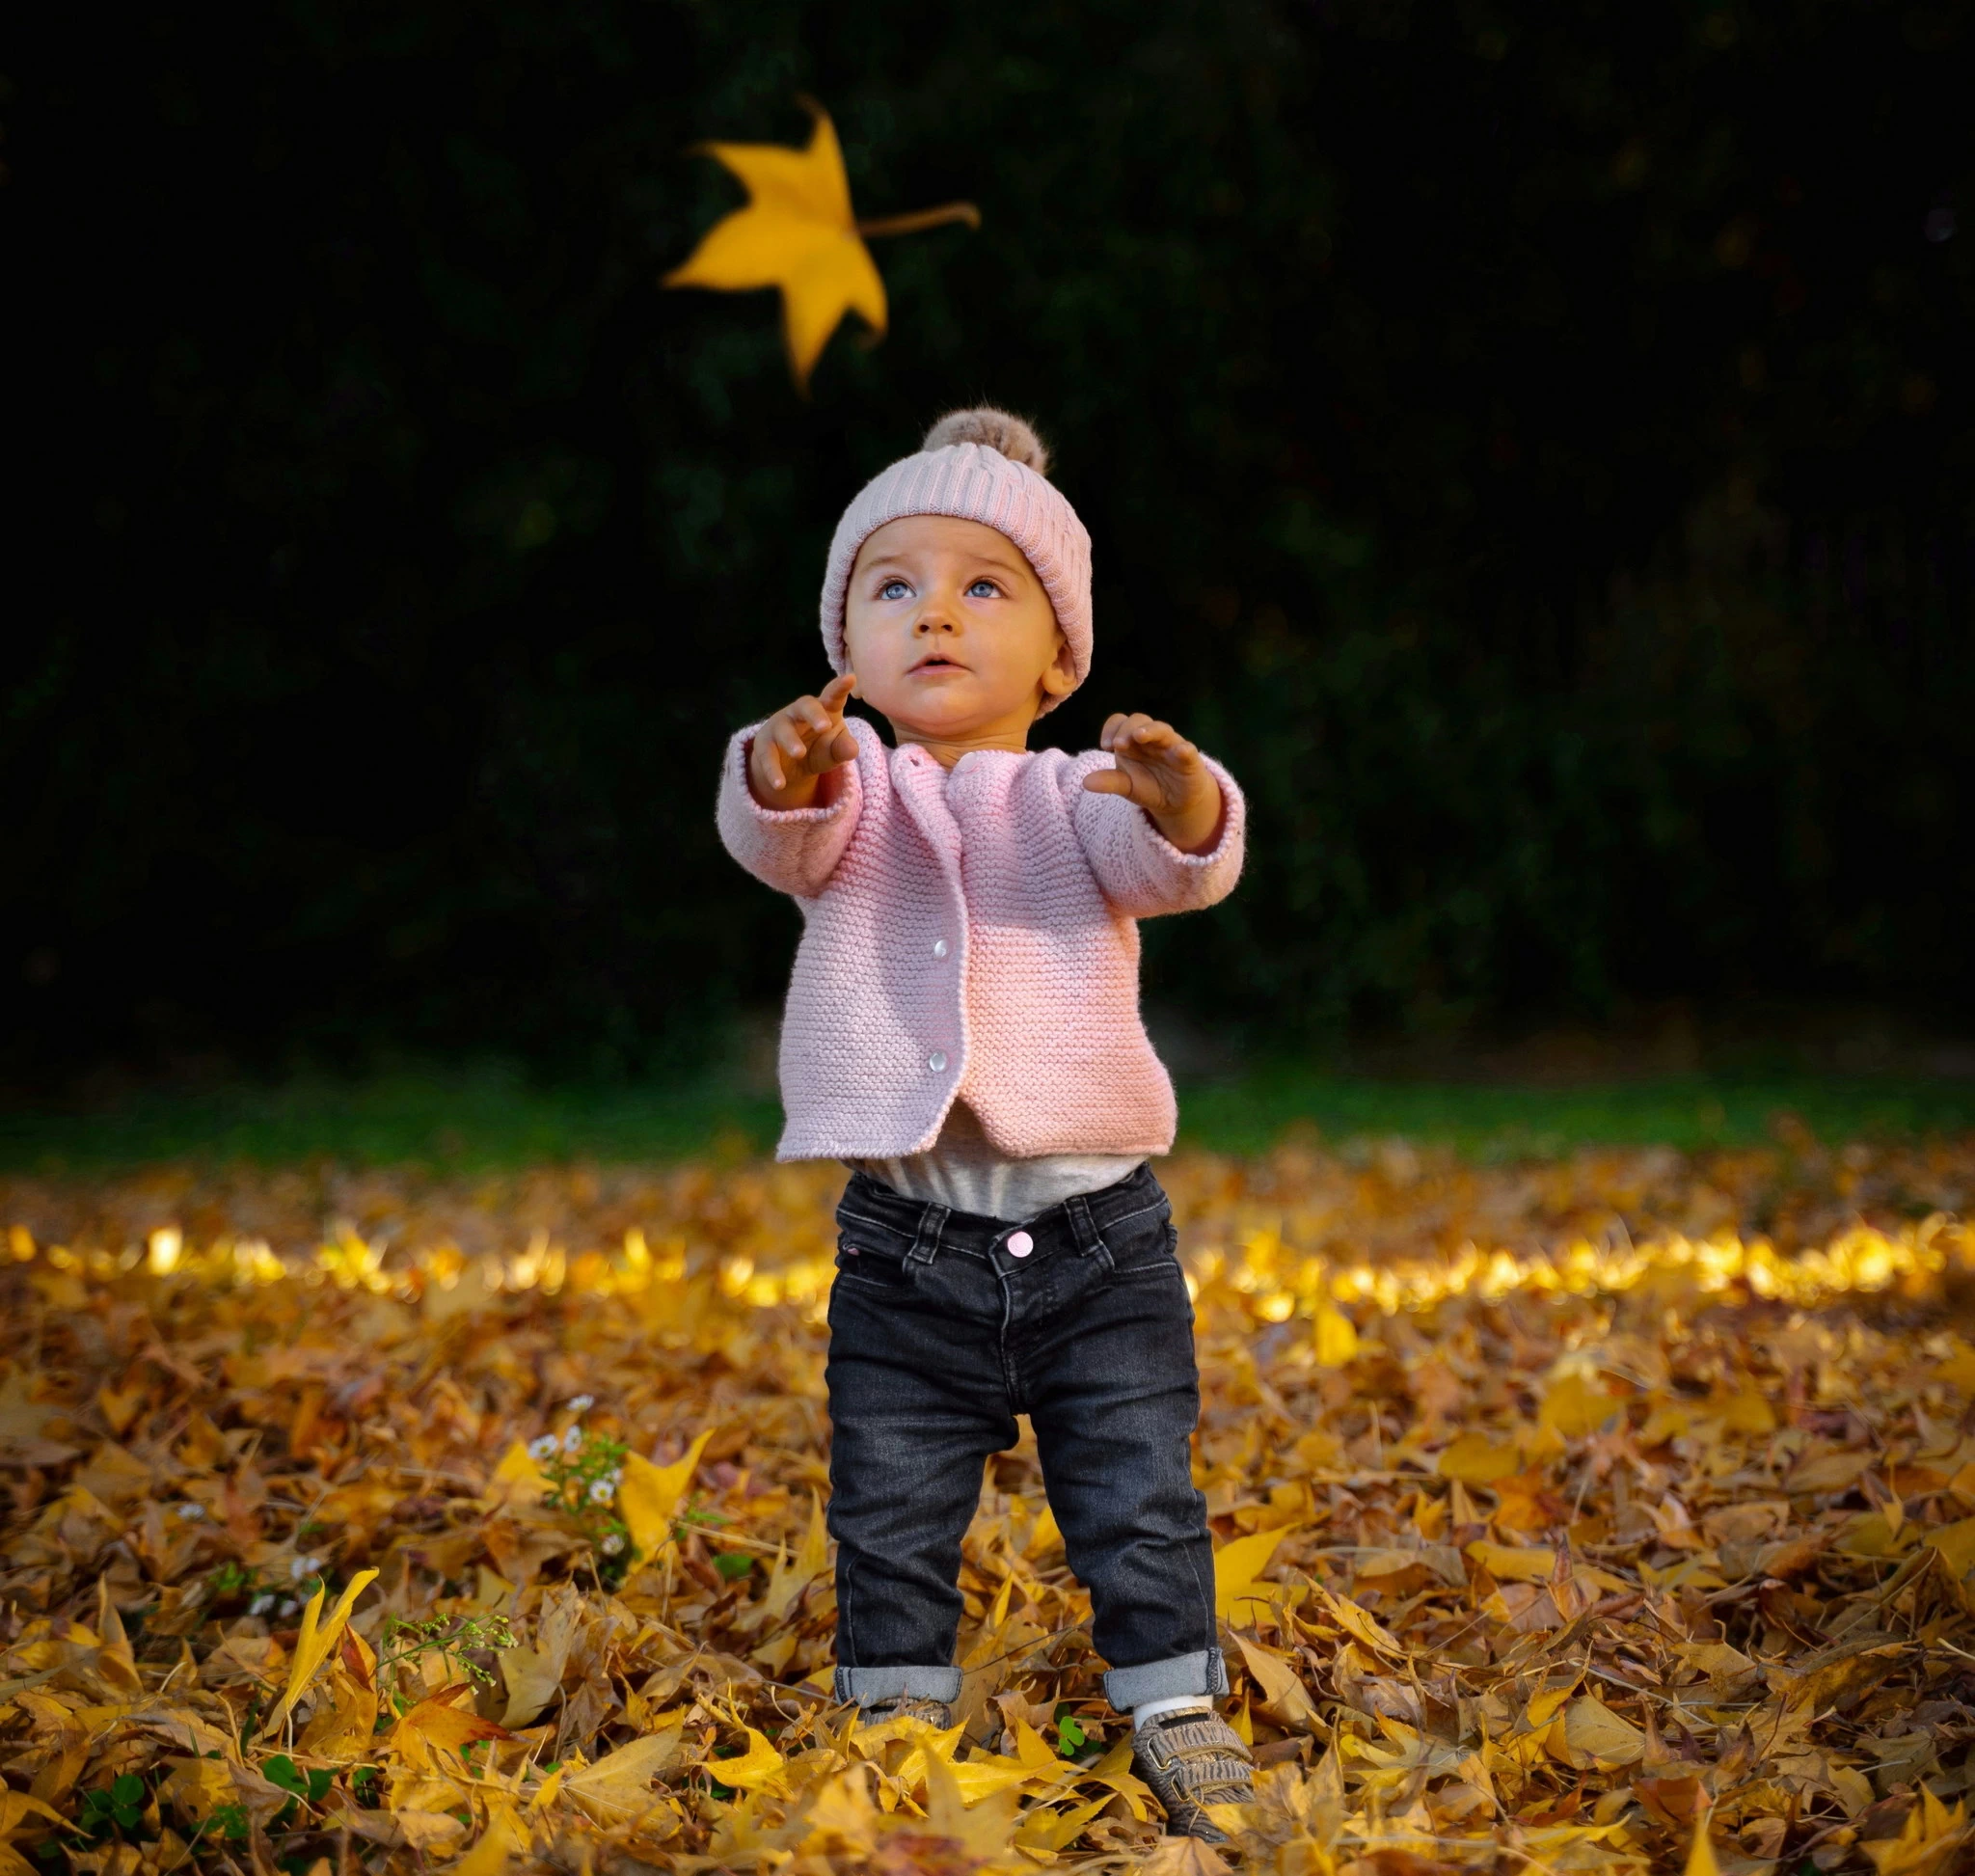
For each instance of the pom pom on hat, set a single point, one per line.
(993, 429)
(982, 465)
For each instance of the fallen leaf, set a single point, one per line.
(1238, 1564)
(649, 1495)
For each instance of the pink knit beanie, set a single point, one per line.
(975, 465)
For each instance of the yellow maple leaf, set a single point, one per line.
(649, 1495)
(1930, 1843)
(1955, 1543)
(1607, 1738)
(517, 1479)
(1237, 1565)
(1475, 1459)
(798, 234)
(758, 1769)
(1512, 1566)
(1357, 1621)
(438, 1722)
(618, 1789)
(1576, 1406)
(1281, 1687)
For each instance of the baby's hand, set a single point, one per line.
(799, 746)
(1163, 773)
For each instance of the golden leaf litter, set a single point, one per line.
(1611, 1513)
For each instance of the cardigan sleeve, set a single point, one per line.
(794, 849)
(1138, 869)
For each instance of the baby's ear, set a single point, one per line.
(1059, 676)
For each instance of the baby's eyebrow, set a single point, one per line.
(1000, 565)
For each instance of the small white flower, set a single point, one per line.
(545, 1448)
(583, 1403)
(261, 1605)
(612, 1544)
(572, 1440)
(602, 1491)
(190, 1511)
(301, 1566)
(615, 1475)
(290, 1607)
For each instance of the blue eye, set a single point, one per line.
(984, 589)
(893, 589)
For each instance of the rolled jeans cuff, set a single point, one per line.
(867, 1686)
(1125, 1688)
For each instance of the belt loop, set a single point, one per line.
(1084, 1231)
(931, 1223)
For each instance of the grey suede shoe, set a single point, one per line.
(936, 1713)
(1192, 1760)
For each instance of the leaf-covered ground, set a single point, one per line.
(1608, 1512)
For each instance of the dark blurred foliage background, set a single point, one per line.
(1534, 444)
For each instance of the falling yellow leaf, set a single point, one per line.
(649, 1495)
(1237, 1565)
(798, 234)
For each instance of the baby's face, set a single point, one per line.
(950, 632)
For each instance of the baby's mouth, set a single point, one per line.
(937, 661)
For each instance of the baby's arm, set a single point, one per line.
(790, 795)
(1175, 841)
(1166, 776)
(799, 746)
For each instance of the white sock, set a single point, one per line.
(1147, 1711)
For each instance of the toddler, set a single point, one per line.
(962, 1028)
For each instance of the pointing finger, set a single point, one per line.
(838, 692)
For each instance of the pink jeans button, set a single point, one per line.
(1020, 1243)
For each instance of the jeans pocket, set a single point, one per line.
(875, 1269)
(1149, 1251)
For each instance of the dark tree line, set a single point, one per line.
(1533, 444)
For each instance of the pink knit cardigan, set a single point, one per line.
(970, 934)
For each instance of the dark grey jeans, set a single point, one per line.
(943, 1327)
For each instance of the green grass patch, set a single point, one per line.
(1494, 1120)
(467, 1123)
